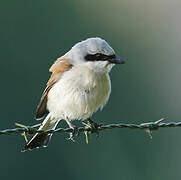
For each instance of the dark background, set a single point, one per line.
(145, 33)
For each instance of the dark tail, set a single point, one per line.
(41, 140)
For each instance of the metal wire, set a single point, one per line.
(146, 126)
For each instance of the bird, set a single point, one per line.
(79, 85)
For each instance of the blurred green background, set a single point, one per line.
(145, 33)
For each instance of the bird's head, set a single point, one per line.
(95, 53)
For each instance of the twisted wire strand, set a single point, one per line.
(144, 126)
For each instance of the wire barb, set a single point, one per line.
(152, 126)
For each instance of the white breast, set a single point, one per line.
(79, 93)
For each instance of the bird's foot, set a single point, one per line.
(75, 132)
(94, 126)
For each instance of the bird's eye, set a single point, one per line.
(98, 55)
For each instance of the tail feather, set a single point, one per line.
(41, 140)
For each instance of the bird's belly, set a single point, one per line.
(70, 100)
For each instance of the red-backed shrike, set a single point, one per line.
(79, 85)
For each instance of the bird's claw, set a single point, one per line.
(94, 126)
(75, 132)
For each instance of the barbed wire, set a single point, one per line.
(149, 127)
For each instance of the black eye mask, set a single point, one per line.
(99, 57)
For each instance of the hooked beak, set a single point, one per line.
(116, 60)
